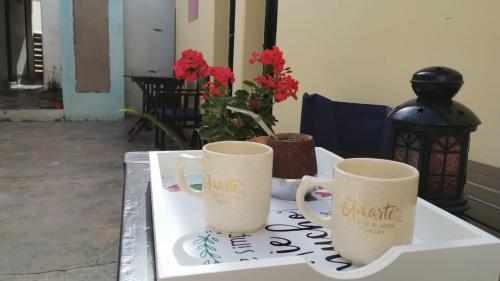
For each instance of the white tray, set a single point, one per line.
(444, 247)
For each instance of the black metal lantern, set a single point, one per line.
(431, 133)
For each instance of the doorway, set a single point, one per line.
(270, 27)
(22, 59)
(271, 24)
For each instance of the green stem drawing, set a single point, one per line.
(206, 247)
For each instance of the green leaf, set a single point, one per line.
(250, 83)
(241, 94)
(169, 132)
(209, 119)
(197, 186)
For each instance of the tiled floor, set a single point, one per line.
(60, 198)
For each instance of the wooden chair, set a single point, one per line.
(179, 109)
(347, 129)
(150, 86)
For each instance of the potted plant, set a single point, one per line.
(218, 123)
(57, 100)
(52, 96)
(294, 154)
(273, 86)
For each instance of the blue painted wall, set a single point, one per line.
(92, 106)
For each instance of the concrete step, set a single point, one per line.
(29, 115)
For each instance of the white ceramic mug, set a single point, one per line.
(373, 206)
(236, 184)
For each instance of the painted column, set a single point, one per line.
(92, 106)
(51, 44)
(248, 38)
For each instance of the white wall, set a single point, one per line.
(36, 16)
(366, 51)
(50, 31)
(149, 31)
(208, 34)
(149, 27)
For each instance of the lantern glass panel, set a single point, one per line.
(437, 163)
(433, 186)
(452, 163)
(449, 187)
(407, 149)
(400, 154)
(444, 166)
(412, 158)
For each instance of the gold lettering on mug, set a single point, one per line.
(373, 219)
(223, 191)
(211, 184)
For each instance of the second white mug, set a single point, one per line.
(373, 206)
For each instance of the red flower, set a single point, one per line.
(191, 66)
(222, 75)
(266, 80)
(209, 88)
(286, 87)
(272, 57)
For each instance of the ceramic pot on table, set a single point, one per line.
(294, 157)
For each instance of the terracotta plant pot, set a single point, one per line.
(58, 105)
(294, 156)
(259, 139)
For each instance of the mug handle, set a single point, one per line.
(182, 162)
(307, 183)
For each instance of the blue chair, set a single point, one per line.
(347, 129)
